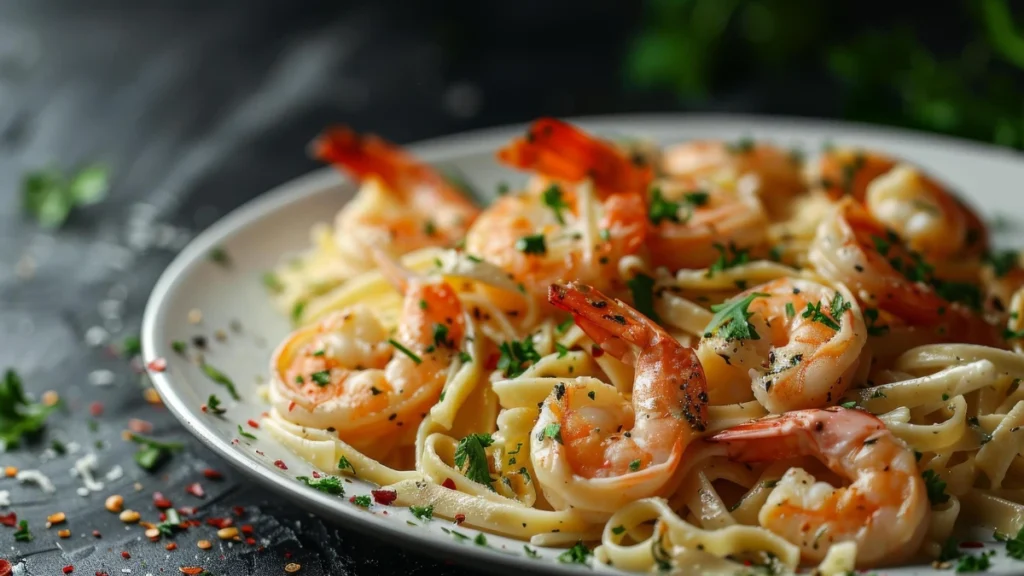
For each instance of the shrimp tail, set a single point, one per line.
(610, 323)
(359, 155)
(763, 440)
(559, 150)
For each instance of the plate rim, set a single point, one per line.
(442, 148)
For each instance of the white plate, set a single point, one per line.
(259, 233)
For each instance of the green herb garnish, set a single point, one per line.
(220, 378)
(19, 417)
(515, 355)
(328, 484)
(49, 195)
(576, 555)
(152, 453)
(730, 319)
(471, 458)
(405, 350)
(213, 405)
(642, 288)
(553, 199)
(422, 512)
(935, 486)
(532, 244)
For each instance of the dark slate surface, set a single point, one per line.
(197, 107)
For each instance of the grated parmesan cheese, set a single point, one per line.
(38, 478)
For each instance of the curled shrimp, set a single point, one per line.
(345, 374)
(403, 205)
(808, 344)
(691, 224)
(929, 217)
(562, 230)
(884, 510)
(593, 449)
(852, 248)
(777, 174)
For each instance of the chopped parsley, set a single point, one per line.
(18, 416)
(515, 355)
(814, 312)
(576, 555)
(328, 484)
(617, 530)
(935, 486)
(321, 378)
(532, 244)
(297, 309)
(213, 405)
(49, 195)
(562, 350)
(741, 146)
(730, 319)
(464, 357)
(343, 463)
(171, 523)
(272, 283)
(979, 563)
(244, 434)
(790, 310)
(22, 534)
(634, 465)
(220, 378)
(592, 394)
(429, 228)
(471, 458)
(696, 198)
(950, 550)
(480, 539)
(964, 292)
(405, 350)
(849, 405)
(1014, 546)
(422, 512)
(874, 329)
(361, 500)
(553, 431)
(152, 453)
(642, 288)
(219, 256)
(553, 199)
(441, 335)
(1002, 262)
(530, 552)
(662, 209)
(564, 325)
(179, 347)
(728, 257)
(131, 347)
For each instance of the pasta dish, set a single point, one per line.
(704, 357)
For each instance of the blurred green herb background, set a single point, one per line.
(949, 67)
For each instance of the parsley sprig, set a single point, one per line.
(935, 486)
(471, 458)
(553, 198)
(834, 319)
(1014, 545)
(326, 484)
(731, 319)
(728, 257)
(662, 209)
(19, 417)
(49, 195)
(516, 355)
(152, 453)
(642, 288)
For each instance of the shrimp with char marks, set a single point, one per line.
(592, 448)
(885, 508)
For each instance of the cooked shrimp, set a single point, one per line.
(854, 249)
(884, 510)
(563, 231)
(345, 373)
(691, 224)
(563, 152)
(592, 448)
(927, 215)
(807, 345)
(777, 173)
(403, 205)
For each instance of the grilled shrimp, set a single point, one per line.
(809, 340)
(403, 204)
(777, 173)
(591, 447)
(346, 373)
(926, 214)
(854, 249)
(884, 510)
(559, 229)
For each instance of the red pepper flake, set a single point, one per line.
(140, 426)
(384, 497)
(492, 361)
(748, 563)
(972, 544)
(204, 409)
(161, 502)
(9, 520)
(250, 541)
(171, 546)
(157, 365)
(596, 351)
(68, 569)
(460, 518)
(96, 409)
(260, 452)
(125, 555)
(253, 424)
(191, 570)
(5, 568)
(448, 483)
(287, 555)
(96, 534)
(162, 517)
(219, 523)
(247, 529)
(97, 574)
(196, 489)
(188, 510)
(316, 474)
(280, 464)
(291, 405)
(239, 511)
(212, 474)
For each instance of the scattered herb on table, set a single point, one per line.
(50, 196)
(152, 453)
(19, 417)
